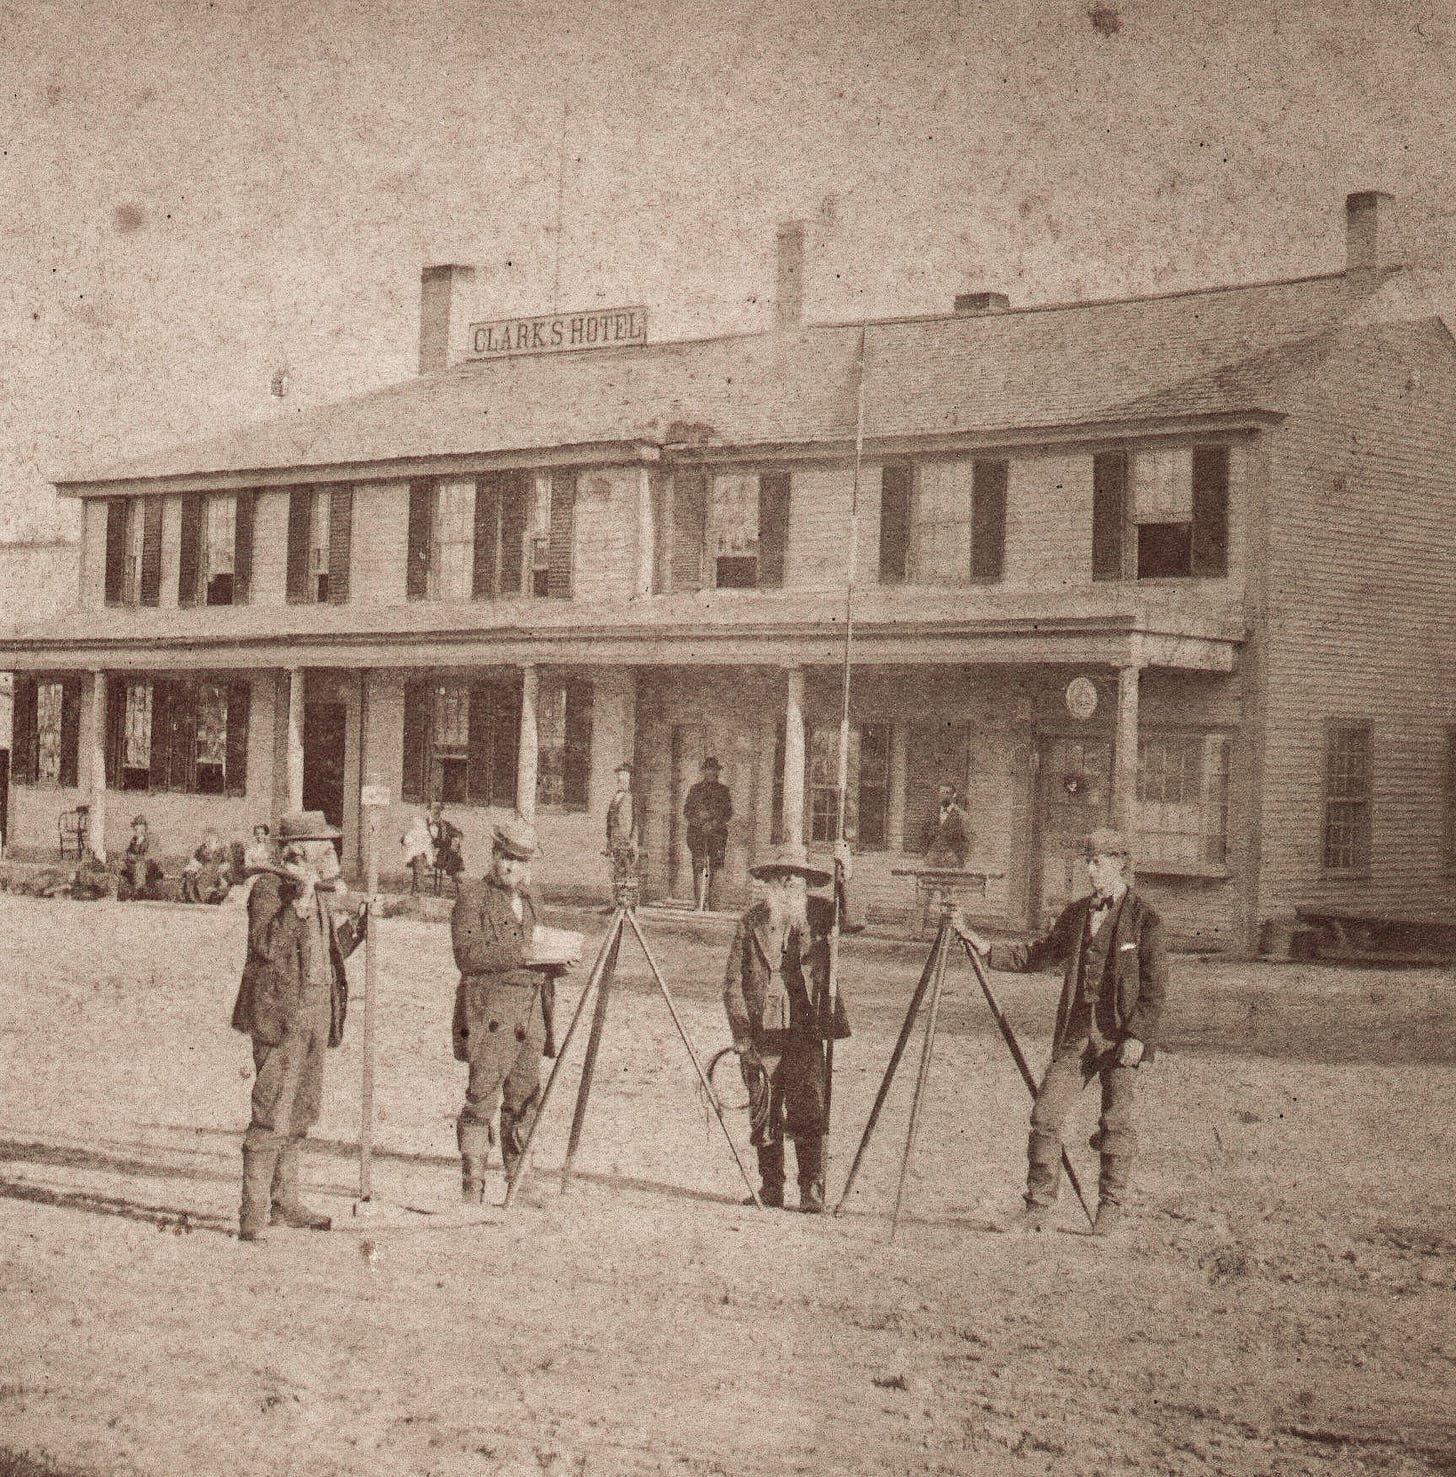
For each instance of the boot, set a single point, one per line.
(472, 1179)
(258, 1167)
(1112, 1182)
(810, 1155)
(771, 1172)
(288, 1209)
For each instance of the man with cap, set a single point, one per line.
(504, 1005)
(776, 994)
(1114, 980)
(623, 829)
(292, 1001)
(707, 810)
(137, 873)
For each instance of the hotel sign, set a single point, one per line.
(595, 328)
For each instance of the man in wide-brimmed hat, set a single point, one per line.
(776, 993)
(1109, 945)
(291, 1002)
(503, 1006)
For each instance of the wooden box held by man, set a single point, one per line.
(776, 994)
(292, 1002)
(505, 1002)
(1109, 946)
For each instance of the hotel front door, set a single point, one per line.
(1073, 796)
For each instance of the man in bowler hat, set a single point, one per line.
(1110, 948)
(707, 810)
(292, 1001)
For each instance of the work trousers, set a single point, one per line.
(288, 1085)
(1070, 1070)
(794, 1061)
(505, 1060)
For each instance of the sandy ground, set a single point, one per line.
(1283, 1302)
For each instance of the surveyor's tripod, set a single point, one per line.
(599, 981)
(932, 981)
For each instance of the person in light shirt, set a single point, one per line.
(1109, 946)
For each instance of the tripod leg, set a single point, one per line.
(1019, 1057)
(941, 953)
(589, 1062)
(889, 1077)
(697, 1065)
(606, 952)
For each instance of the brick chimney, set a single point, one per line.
(444, 315)
(789, 288)
(972, 304)
(1369, 237)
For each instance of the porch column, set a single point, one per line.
(526, 754)
(295, 738)
(794, 760)
(646, 533)
(1125, 754)
(96, 764)
(895, 822)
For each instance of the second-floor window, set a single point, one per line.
(936, 531)
(320, 528)
(179, 734)
(723, 531)
(215, 564)
(441, 554)
(133, 551)
(1160, 513)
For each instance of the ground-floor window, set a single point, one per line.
(866, 809)
(1182, 792)
(46, 730)
(1346, 838)
(564, 729)
(461, 739)
(177, 733)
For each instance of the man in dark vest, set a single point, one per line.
(707, 810)
(1115, 974)
(292, 1002)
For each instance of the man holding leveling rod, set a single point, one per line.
(1115, 975)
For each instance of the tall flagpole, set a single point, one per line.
(843, 788)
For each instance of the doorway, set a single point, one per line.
(1073, 796)
(323, 761)
(691, 744)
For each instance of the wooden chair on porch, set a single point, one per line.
(74, 828)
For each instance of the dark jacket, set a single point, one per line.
(271, 996)
(490, 946)
(1140, 962)
(806, 977)
(707, 810)
(946, 837)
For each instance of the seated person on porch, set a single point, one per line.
(137, 874)
(206, 877)
(261, 853)
(93, 879)
(946, 838)
(418, 851)
(446, 839)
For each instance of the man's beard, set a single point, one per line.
(788, 910)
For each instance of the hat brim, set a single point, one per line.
(769, 870)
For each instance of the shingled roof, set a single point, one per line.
(1194, 353)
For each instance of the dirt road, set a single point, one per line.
(1282, 1304)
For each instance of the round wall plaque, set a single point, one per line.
(1081, 698)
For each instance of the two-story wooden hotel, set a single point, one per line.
(1181, 562)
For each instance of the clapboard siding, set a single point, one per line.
(1362, 612)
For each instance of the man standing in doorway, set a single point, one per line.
(708, 809)
(504, 1005)
(1114, 981)
(292, 1001)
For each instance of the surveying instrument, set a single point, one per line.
(943, 885)
(626, 895)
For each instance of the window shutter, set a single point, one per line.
(23, 738)
(115, 730)
(244, 511)
(180, 740)
(773, 528)
(116, 530)
(1109, 497)
(483, 583)
(70, 731)
(988, 520)
(414, 774)
(189, 570)
(422, 500)
(896, 481)
(300, 521)
(1210, 510)
(514, 509)
(477, 764)
(341, 532)
(576, 760)
(151, 580)
(505, 744)
(690, 491)
(560, 550)
(235, 772)
(161, 705)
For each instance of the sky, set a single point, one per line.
(199, 195)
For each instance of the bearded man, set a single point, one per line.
(776, 994)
